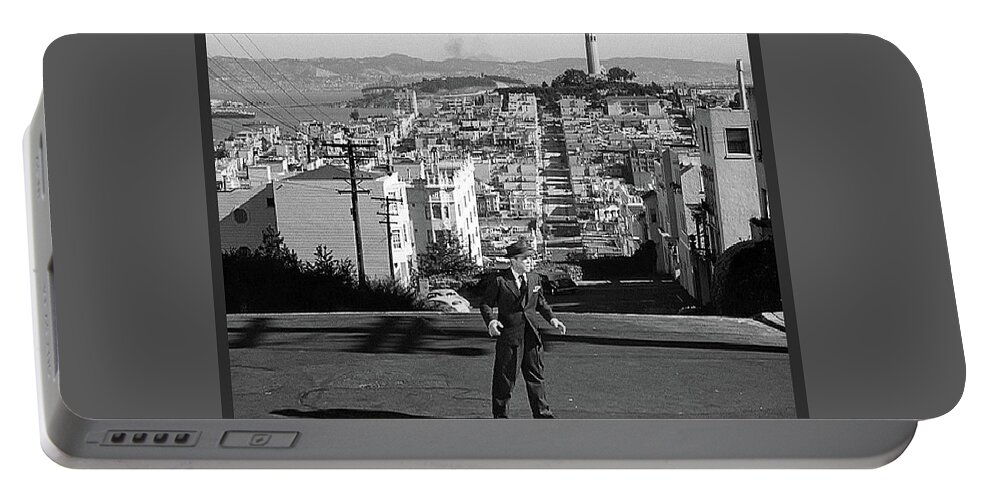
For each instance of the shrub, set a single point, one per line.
(272, 278)
(388, 295)
(746, 279)
(445, 264)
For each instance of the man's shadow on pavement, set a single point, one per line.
(342, 413)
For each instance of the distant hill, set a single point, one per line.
(356, 73)
(461, 83)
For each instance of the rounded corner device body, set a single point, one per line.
(152, 356)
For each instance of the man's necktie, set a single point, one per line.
(524, 291)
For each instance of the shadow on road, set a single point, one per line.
(451, 335)
(249, 336)
(550, 339)
(411, 335)
(342, 413)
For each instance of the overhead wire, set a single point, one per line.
(254, 80)
(280, 121)
(273, 79)
(288, 81)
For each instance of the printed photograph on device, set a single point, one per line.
(496, 226)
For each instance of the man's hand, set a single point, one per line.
(494, 328)
(560, 326)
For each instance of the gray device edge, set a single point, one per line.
(887, 305)
(698, 443)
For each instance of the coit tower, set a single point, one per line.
(592, 55)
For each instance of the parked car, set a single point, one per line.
(557, 282)
(446, 300)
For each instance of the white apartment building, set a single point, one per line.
(443, 202)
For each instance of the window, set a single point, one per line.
(427, 212)
(737, 141)
(436, 211)
(395, 238)
(446, 212)
(240, 215)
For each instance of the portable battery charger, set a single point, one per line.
(640, 256)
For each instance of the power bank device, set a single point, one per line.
(401, 251)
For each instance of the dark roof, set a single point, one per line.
(331, 172)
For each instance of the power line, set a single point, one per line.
(243, 68)
(236, 91)
(259, 101)
(280, 87)
(220, 73)
(247, 99)
(288, 81)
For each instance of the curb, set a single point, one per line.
(770, 319)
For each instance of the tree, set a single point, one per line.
(274, 249)
(325, 265)
(354, 115)
(618, 74)
(571, 78)
(445, 259)
(746, 279)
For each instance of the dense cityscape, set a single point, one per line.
(673, 170)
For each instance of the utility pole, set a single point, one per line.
(389, 227)
(350, 148)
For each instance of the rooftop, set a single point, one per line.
(331, 172)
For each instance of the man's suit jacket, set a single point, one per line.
(517, 315)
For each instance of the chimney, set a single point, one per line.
(743, 102)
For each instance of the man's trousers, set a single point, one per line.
(528, 355)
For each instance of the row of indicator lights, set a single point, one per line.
(142, 437)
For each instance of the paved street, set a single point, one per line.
(396, 365)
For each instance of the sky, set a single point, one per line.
(505, 47)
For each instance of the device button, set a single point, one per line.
(251, 439)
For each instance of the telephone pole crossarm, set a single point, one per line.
(354, 190)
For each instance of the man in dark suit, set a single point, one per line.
(516, 294)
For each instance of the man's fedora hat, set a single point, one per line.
(520, 248)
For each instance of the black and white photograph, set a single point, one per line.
(567, 226)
